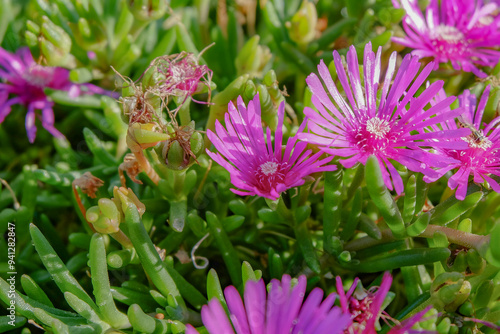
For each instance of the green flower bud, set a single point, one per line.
(302, 26)
(56, 35)
(147, 10)
(144, 135)
(181, 150)
(54, 43)
(449, 291)
(105, 217)
(124, 196)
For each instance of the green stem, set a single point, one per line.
(122, 239)
(469, 240)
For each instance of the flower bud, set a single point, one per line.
(449, 291)
(141, 136)
(124, 196)
(302, 26)
(105, 217)
(55, 44)
(147, 10)
(181, 150)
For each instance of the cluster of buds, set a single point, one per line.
(173, 78)
(51, 41)
(449, 291)
(302, 26)
(109, 213)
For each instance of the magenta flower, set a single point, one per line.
(256, 167)
(25, 80)
(393, 128)
(281, 311)
(463, 32)
(481, 157)
(365, 308)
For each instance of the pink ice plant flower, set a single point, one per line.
(24, 82)
(365, 308)
(481, 157)
(282, 311)
(256, 167)
(394, 126)
(463, 32)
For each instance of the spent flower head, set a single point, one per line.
(256, 167)
(181, 75)
(462, 32)
(25, 81)
(282, 310)
(391, 126)
(481, 157)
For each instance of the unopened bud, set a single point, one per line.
(181, 150)
(449, 291)
(147, 10)
(302, 26)
(141, 136)
(124, 196)
(105, 217)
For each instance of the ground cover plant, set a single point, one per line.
(244, 166)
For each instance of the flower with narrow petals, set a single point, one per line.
(463, 32)
(393, 126)
(481, 157)
(282, 311)
(25, 80)
(365, 307)
(256, 167)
